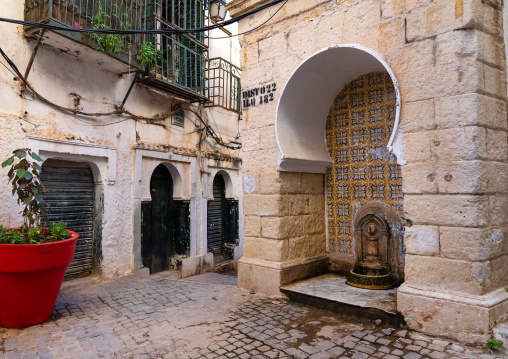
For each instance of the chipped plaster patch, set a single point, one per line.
(262, 213)
(249, 184)
(398, 147)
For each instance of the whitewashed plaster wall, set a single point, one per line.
(72, 77)
(224, 46)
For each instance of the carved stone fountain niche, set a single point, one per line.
(378, 248)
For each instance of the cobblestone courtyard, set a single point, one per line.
(207, 316)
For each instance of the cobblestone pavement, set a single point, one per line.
(207, 317)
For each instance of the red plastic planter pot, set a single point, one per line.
(30, 279)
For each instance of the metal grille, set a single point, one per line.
(69, 197)
(180, 60)
(224, 86)
(118, 14)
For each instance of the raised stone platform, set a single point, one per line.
(330, 292)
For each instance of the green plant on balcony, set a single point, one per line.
(148, 55)
(151, 57)
(109, 43)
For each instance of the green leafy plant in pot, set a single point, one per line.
(33, 258)
(152, 58)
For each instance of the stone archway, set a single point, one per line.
(289, 207)
(305, 101)
(159, 245)
(307, 119)
(176, 178)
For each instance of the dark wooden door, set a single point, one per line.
(69, 197)
(165, 224)
(161, 246)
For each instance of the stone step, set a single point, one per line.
(330, 292)
(224, 266)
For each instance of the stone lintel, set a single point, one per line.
(240, 7)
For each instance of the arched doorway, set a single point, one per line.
(70, 197)
(161, 191)
(222, 222)
(165, 224)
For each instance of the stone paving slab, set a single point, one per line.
(333, 287)
(161, 316)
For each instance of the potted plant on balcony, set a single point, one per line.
(106, 42)
(33, 258)
(153, 59)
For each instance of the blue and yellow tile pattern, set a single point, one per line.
(358, 128)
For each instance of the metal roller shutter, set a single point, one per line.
(69, 197)
(215, 216)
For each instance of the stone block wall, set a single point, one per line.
(295, 220)
(449, 61)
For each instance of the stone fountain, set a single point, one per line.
(372, 269)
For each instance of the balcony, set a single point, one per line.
(178, 61)
(224, 86)
(173, 63)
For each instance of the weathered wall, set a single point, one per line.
(449, 63)
(224, 46)
(70, 76)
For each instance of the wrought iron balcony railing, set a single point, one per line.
(224, 85)
(93, 14)
(180, 60)
(175, 63)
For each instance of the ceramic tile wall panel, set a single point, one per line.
(358, 128)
